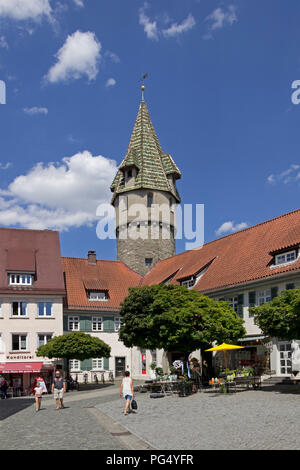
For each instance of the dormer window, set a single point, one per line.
(98, 296)
(20, 279)
(149, 199)
(189, 283)
(287, 257)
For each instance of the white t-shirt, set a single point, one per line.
(127, 386)
(38, 391)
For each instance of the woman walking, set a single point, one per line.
(127, 391)
(38, 392)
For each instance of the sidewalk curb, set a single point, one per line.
(117, 430)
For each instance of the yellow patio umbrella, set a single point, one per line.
(225, 347)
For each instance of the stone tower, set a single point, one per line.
(145, 198)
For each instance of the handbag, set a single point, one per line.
(134, 404)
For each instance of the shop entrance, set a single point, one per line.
(119, 366)
(285, 358)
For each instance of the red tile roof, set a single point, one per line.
(234, 259)
(113, 276)
(31, 251)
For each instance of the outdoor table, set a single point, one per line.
(165, 386)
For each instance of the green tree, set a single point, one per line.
(174, 318)
(280, 318)
(75, 345)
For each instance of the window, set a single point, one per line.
(129, 173)
(288, 257)
(43, 338)
(19, 309)
(20, 279)
(264, 296)
(19, 342)
(188, 283)
(73, 323)
(97, 324)
(45, 309)
(148, 261)
(97, 364)
(98, 296)
(74, 365)
(117, 323)
(1, 343)
(149, 199)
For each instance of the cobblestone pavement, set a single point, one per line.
(259, 420)
(71, 428)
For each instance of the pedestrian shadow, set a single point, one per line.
(11, 406)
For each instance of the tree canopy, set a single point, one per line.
(75, 345)
(174, 318)
(281, 317)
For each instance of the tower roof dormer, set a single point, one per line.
(144, 153)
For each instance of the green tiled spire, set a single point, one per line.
(145, 154)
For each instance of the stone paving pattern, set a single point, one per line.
(267, 419)
(257, 420)
(72, 428)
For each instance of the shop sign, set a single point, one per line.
(18, 357)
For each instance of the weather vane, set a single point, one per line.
(143, 86)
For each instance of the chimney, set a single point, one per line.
(92, 257)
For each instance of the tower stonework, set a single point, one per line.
(145, 198)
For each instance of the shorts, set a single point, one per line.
(58, 394)
(128, 397)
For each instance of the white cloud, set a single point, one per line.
(3, 42)
(58, 195)
(5, 166)
(110, 82)
(221, 17)
(229, 227)
(153, 30)
(175, 29)
(113, 57)
(150, 27)
(35, 110)
(25, 9)
(291, 175)
(79, 3)
(78, 57)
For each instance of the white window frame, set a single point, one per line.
(43, 334)
(117, 323)
(189, 283)
(19, 302)
(264, 296)
(98, 299)
(97, 321)
(19, 334)
(285, 256)
(44, 309)
(74, 365)
(71, 321)
(96, 362)
(15, 279)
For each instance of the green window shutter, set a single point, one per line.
(88, 323)
(106, 363)
(108, 324)
(65, 323)
(252, 299)
(290, 286)
(240, 305)
(86, 364)
(274, 292)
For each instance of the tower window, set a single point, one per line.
(129, 174)
(149, 199)
(148, 261)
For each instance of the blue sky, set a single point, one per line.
(218, 91)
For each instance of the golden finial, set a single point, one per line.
(143, 86)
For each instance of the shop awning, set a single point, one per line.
(21, 367)
(251, 338)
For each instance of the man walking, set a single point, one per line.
(58, 388)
